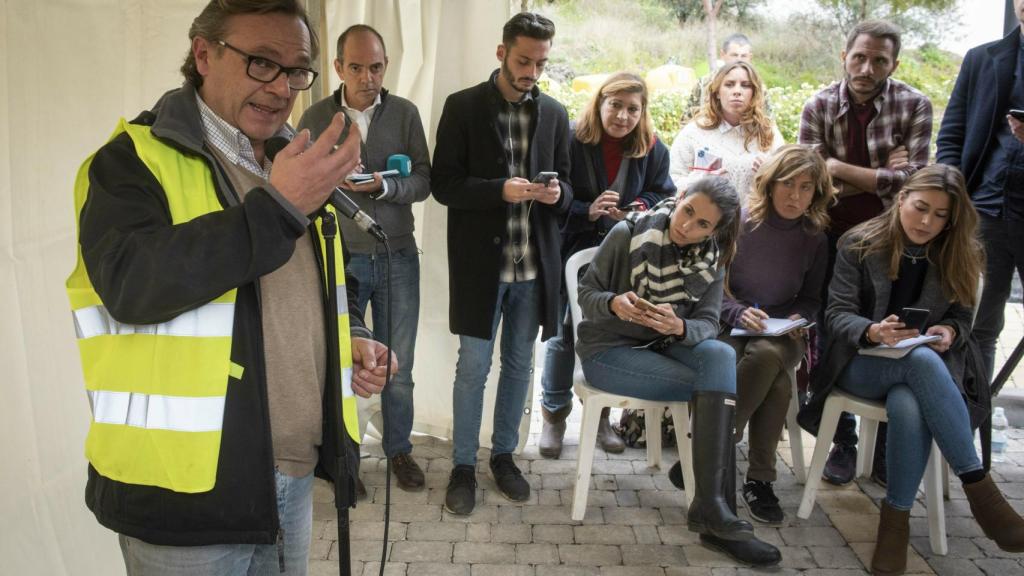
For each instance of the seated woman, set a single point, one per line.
(778, 272)
(731, 135)
(650, 302)
(923, 253)
(618, 166)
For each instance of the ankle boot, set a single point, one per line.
(998, 520)
(713, 421)
(754, 552)
(607, 439)
(553, 431)
(891, 544)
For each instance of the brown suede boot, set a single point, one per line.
(891, 545)
(607, 439)
(553, 432)
(998, 520)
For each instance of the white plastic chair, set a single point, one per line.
(871, 413)
(595, 400)
(796, 440)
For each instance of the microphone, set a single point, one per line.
(341, 202)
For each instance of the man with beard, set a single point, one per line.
(874, 132)
(503, 243)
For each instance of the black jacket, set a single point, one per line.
(977, 106)
(647, 179)
(148, 271)
(469, 171)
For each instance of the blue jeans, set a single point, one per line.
(559, 364)
(922, 402)
(1004, 252)
(397, 397)
(295, 509)
(671, 375)
(518, 308)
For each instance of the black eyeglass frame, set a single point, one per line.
(286, 70)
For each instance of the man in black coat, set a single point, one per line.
(503, 242)
(986, 143)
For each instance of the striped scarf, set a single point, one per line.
(660, 271)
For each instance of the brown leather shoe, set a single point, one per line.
(998, 520)
(553, 431)
(407, 472)
(607, 439)
(890, 556)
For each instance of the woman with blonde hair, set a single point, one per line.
(922, 252)
(618, 166)
(732, 133)
(778, 272)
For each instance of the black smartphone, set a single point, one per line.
(914, 318)
(632, 207)
(544, 177)
(1018, 114)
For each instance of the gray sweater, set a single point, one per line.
(395, 129)
(607, 277)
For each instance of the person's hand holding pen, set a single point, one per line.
(753, 319)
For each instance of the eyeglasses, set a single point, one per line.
(266, 70)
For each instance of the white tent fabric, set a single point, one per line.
(68, 70)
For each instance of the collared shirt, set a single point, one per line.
(904, 117)
(362, 118)
(232, 143)
(519, 262)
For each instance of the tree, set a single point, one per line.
(927, 19)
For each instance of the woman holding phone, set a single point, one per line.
(731, 135)
(778, 272)
(674, 256)
(922, 252)
(618, 166)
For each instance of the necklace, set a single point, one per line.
(915, 254)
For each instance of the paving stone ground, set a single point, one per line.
(635, 523)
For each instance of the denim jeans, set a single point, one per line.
(922, 402)
(559, 364)
(1004, 252)
(518, 308)
(295, 509)
(397, 397)
(671, 375)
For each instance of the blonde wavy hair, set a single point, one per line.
(755, 121)
(589, 129)
(956, 250)
(788, 162)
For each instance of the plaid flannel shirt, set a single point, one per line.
(904, 118)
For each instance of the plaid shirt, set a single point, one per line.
(904, 118)
(518, 262)
(232, 143)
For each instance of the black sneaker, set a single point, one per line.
(460, 497)
(841, 465)
(762, 503)
(509, 479)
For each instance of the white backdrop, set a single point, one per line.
(68, 70)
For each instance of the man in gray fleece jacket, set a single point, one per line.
(389, 125)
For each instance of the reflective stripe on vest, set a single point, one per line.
(157, 417)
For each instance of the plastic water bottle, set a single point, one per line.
(999, 425)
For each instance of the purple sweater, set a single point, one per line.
(779, 266)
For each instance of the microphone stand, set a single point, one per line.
(342, 486)
(343, 489)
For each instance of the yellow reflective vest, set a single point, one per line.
(157, 391)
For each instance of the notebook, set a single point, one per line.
(900, 349)
(773, 327)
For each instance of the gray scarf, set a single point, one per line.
(660, 271)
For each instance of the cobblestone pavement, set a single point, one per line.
(635, 523)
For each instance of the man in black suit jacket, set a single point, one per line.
(503, 243)
(986, 143)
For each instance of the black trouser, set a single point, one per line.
(1004, 253)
